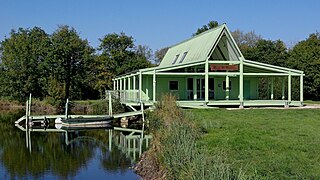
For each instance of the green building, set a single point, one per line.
(209, 70)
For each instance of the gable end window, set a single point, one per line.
(183, 56)
(175, 59)
(173, 85)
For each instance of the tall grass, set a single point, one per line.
(176, 147)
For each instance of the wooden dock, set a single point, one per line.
(30, 119)
(41, 117)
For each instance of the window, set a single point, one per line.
(175, 59)
(224, 85)
(173, 85)
(183, 56)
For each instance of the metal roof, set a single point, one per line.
(195, 49)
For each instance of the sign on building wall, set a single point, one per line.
(222, 67)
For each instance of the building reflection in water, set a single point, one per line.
(131, 142)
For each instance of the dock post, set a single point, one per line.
(110, 104)
(142, 111)
(27, 113)
(27, 125)
(66, 110)
(30, 105)
(110, 140)
(142, 135)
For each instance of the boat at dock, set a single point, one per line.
(84, 121)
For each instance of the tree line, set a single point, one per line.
(63, 65)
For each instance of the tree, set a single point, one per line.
(71, 59)
(210, 25)
(119, 55)
(144, 51)
(305, 56)
(267, 51)
(23, 67)
(245, 41)
(159, 54)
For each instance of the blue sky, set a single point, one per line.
(164, 22)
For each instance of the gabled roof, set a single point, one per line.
(199, 48)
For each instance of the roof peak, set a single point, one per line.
(201, 34)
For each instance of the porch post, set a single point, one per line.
(114, 84)
(241, 84)
(206, 82)
(121, 94)
(118, 84)
(272, 81)
(289, 87)
(195, 88)
(227, 87)
(282, 97)
(129, 83)
(134, 87)
(124, 88)
(301, 89)
(140, 86)
(154, 86)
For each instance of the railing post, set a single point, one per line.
(134, 87)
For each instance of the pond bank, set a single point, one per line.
(176, 152)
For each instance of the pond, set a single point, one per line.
(38, 153)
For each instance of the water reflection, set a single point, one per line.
(100, 153)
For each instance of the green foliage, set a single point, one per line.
(35, 62)
(305, 56)
(210, 25)
(119, 56)
(24, 67)
(70, 61)
(267, 51)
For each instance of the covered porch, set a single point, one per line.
(211, 83)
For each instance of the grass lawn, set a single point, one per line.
(275, 144)
(311, 102)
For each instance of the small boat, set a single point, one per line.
(84, 121)
(85, 127)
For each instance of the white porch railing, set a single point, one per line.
(129, 95)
